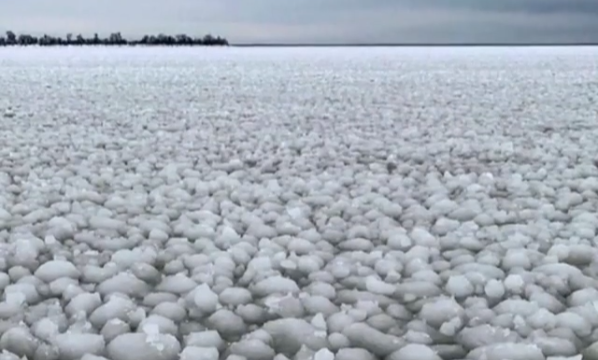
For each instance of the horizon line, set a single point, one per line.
(422, 44)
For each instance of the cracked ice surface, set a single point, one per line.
(305, 204)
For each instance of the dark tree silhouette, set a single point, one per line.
(11, 38)
(115, 39)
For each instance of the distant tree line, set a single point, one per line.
(115, 39)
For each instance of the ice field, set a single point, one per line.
(299, 204)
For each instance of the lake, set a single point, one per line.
(364, 203)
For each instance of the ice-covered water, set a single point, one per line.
(305, 204)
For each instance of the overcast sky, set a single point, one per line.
(300, 21)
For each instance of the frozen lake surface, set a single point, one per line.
(303, 204)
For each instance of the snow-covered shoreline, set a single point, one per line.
(316, 205)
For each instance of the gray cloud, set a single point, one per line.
(315, 20)
(530, 7)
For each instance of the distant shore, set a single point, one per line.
(114, 39)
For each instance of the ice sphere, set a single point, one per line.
(364, 336)
(324, 354)
(252, 349)
(72, 346)
(124, 283)
(440, 310)
(378, 286)
(205, 299)
(205, 339)
(513, 351)
(56, 269)
(275, 284)
(152, 346)
(199, 353)
(414, 352)
(354, 354)
(460, 286)
(19, 341)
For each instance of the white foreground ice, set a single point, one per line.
(299, 204)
